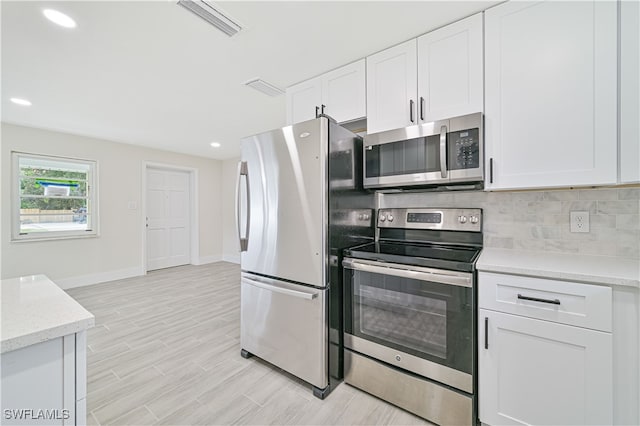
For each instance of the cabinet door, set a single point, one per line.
(40, 377)
(535, 372)
(450, 70)
(550, 94)
(343, 92)
(392, 88)
(302, 100)
(629, 91)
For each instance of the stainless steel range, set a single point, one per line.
(410, 309)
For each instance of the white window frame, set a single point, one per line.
(92, 198)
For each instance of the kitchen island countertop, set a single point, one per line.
(35, 309)
(602, 270)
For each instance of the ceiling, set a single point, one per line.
(150, 73)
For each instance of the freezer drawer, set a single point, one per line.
(285, 324)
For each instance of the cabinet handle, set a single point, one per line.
(411, 111)
(322, 109)
(537, 299)
(486, 332)
(317, 111)
(491, 170)
(421, 108)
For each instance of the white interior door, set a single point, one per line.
(168, 227)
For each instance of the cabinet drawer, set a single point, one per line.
(581, 305)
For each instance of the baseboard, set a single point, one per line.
(100, 277)
(203, 260)
(233, 258)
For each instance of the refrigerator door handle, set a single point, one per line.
(289, 292)
(243, 170)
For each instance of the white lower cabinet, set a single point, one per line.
(538, 372)
(534, 367)
(46, 383)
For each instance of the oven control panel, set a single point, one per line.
(438, 219)
(352, 217)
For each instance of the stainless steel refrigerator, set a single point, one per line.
(299, 203)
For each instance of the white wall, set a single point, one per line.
(231, 247)
(118, 251)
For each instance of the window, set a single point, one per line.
(54, 197)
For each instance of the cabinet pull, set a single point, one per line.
(421, 108)
(317, 111)
(491, 170)
(486, 332)
(537, 299)
(411, 111)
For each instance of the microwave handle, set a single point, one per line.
(443, 151)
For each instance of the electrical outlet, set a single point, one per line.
(580, 221)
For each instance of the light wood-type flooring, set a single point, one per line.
(166, 350)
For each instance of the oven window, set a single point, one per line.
(418, 322)
(427, 319)
(420, 155)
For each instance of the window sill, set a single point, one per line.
(28, 239)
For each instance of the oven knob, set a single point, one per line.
(365, 216)
(473, 219)
(360, 216)
(390, 218)
(462, 219)
(382, 218)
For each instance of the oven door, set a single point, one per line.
(415, 318)
(415, 155)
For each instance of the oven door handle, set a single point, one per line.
(461, 279)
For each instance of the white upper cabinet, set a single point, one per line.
(433, 77)
(344, 92)
(303, 99)
(629, 91)
(392, 88)
(450, 70)
(341, 92)
(550, 94)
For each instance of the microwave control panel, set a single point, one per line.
(464, 149)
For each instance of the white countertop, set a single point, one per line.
(34, 310)
(571, 267)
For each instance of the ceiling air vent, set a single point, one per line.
(212, 15)
(264, 87)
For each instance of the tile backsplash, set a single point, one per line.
(539, 220)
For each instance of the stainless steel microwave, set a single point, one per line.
(438, 153)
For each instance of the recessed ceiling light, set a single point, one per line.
(59, 18)
(20, 101)
(215, 144)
